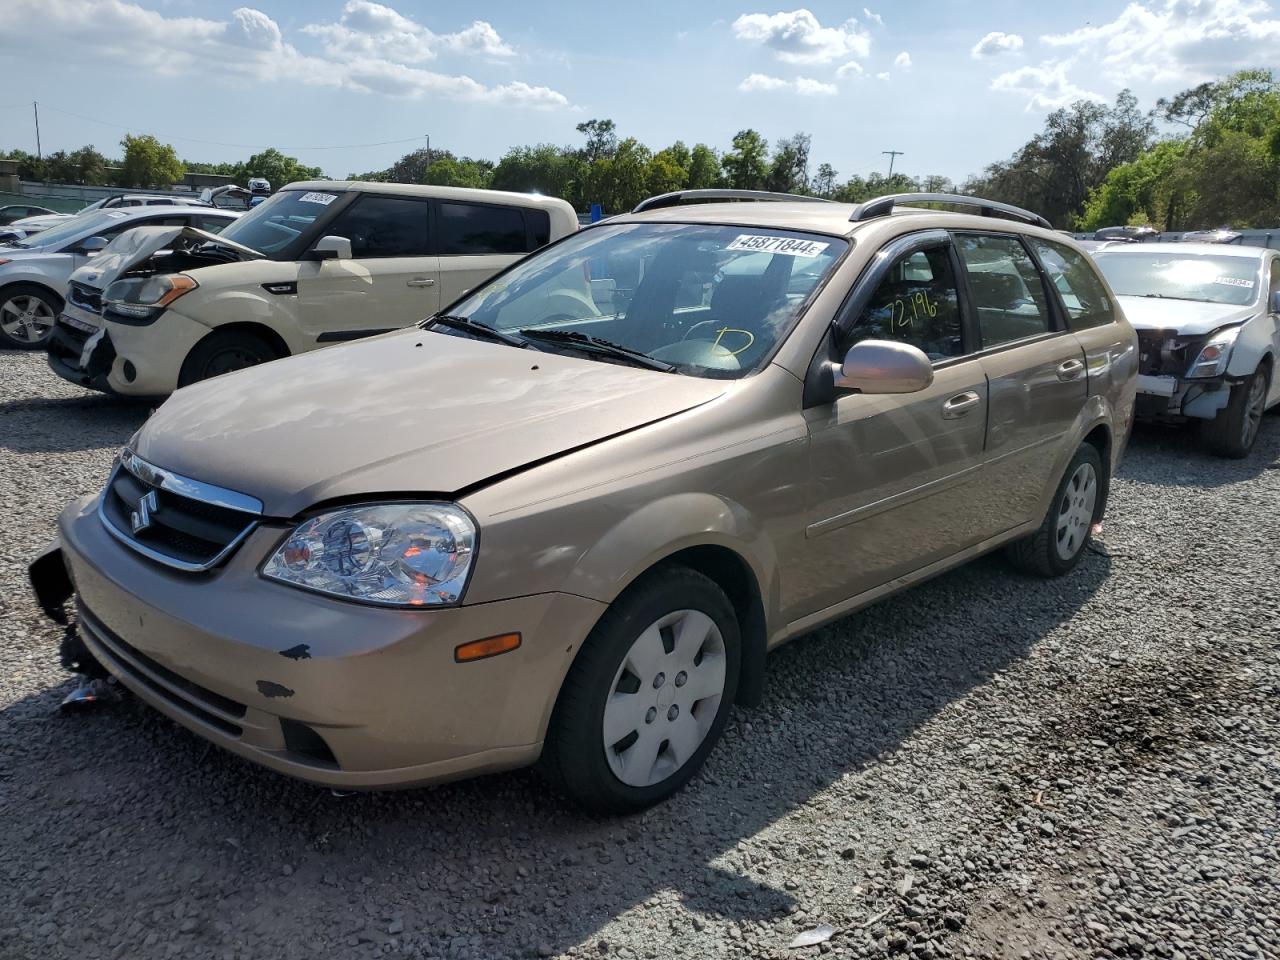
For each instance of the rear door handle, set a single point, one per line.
(959, 405)
(1070, 370)
(420, 282)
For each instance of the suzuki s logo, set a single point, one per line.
(141, 518)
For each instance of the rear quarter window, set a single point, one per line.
(1077, 282)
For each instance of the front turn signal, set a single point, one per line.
(488, 647)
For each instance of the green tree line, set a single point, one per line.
(1217, 163)
(146, 162)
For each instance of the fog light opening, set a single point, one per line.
(130, 371)
(488, 647)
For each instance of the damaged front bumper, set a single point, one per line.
(68, 357)
(1176, 398)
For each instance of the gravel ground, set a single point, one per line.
(987, 766)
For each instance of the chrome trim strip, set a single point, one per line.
(149, 473)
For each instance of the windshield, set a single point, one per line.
(81, 225)
(1181, 276)
(277, 222)
(710, 301)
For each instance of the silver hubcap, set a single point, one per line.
(1254, 408)
(1075, 513)
(664, 698)
(26, 319)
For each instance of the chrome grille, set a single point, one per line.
(174, 520)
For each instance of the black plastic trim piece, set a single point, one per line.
(342, 336)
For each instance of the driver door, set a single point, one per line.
(392, 279)
(893, 476)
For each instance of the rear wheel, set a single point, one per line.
(27, 315)
(1058, 545)
(648, 695)
(222, 352)
(1233, 432)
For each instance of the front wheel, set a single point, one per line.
(1234, 430)
(648, 695)
(222, 352)
(1056, 548)
(27, 315)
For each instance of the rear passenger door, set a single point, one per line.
(476, 240)
(392, 279)
(1035, 368)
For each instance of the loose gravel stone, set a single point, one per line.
(1084, 767)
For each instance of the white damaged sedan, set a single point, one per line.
(1208, 323)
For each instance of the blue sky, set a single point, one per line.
(955, 84)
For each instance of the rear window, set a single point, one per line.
(473, 228)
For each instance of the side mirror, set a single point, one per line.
(1275, 302)
(332, 248)
(92, 245)
(882, 366)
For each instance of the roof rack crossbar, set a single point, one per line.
(883, 206)
(680, 197)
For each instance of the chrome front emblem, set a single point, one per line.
(141, 518)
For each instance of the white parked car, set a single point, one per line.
(1208, 322)
(317, 263)
(34, 270)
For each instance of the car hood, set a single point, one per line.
(408, 413)
(1188, 317)
(42, 222)
(134, 246)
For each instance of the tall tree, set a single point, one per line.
(746, 166)
(825, 182)
(789, 169)
(602, 139)
(149, 163)
(704, 168)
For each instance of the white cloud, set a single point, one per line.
(798, 37)
(372, 30)
(873, 17)
(903, 60)
(1182, 41)
(882, 76)
(804, 86)
(1046, 87)
(851, 69)
(370, 50)
(996, 43)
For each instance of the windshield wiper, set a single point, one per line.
(1166, 296)
(472, 326)
(583, 341)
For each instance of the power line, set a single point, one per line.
(241, 146)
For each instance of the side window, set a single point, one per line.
(540, 223)
(202, 221)
(1077, 281)
(472, 228)
(384, 227)
(916, 303)
(1275, 278)
(1008, 292)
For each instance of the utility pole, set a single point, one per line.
(892, 155)
(35, 108)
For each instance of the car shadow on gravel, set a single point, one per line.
(1174, 455)
(68, 424)
(267, 859)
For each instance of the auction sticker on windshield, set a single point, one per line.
(1233, 281)
(783, 245)
(324, 199)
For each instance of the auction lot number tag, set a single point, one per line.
(783, 245)
(324, 199)
(1233, 281)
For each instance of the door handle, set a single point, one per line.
(1070, 370)
(959, 405)
(420, 282)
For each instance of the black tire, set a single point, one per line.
(29, 332)
(222, 352)
(1041, 553)
(574, 757)
(1233, 432)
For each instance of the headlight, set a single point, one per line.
(1215, 354)
(397, 554)
(145, 298)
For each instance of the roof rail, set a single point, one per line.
(680, 197)
(883, 206)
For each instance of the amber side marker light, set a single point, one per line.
(488, 647)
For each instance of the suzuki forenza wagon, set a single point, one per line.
(509, 535)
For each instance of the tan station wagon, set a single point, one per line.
(512, 535)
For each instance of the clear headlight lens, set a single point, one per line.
(1215, 354)
(398, 554)
(144, 296)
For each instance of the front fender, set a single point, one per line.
(1255, 343)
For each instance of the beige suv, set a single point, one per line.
(507, 535)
